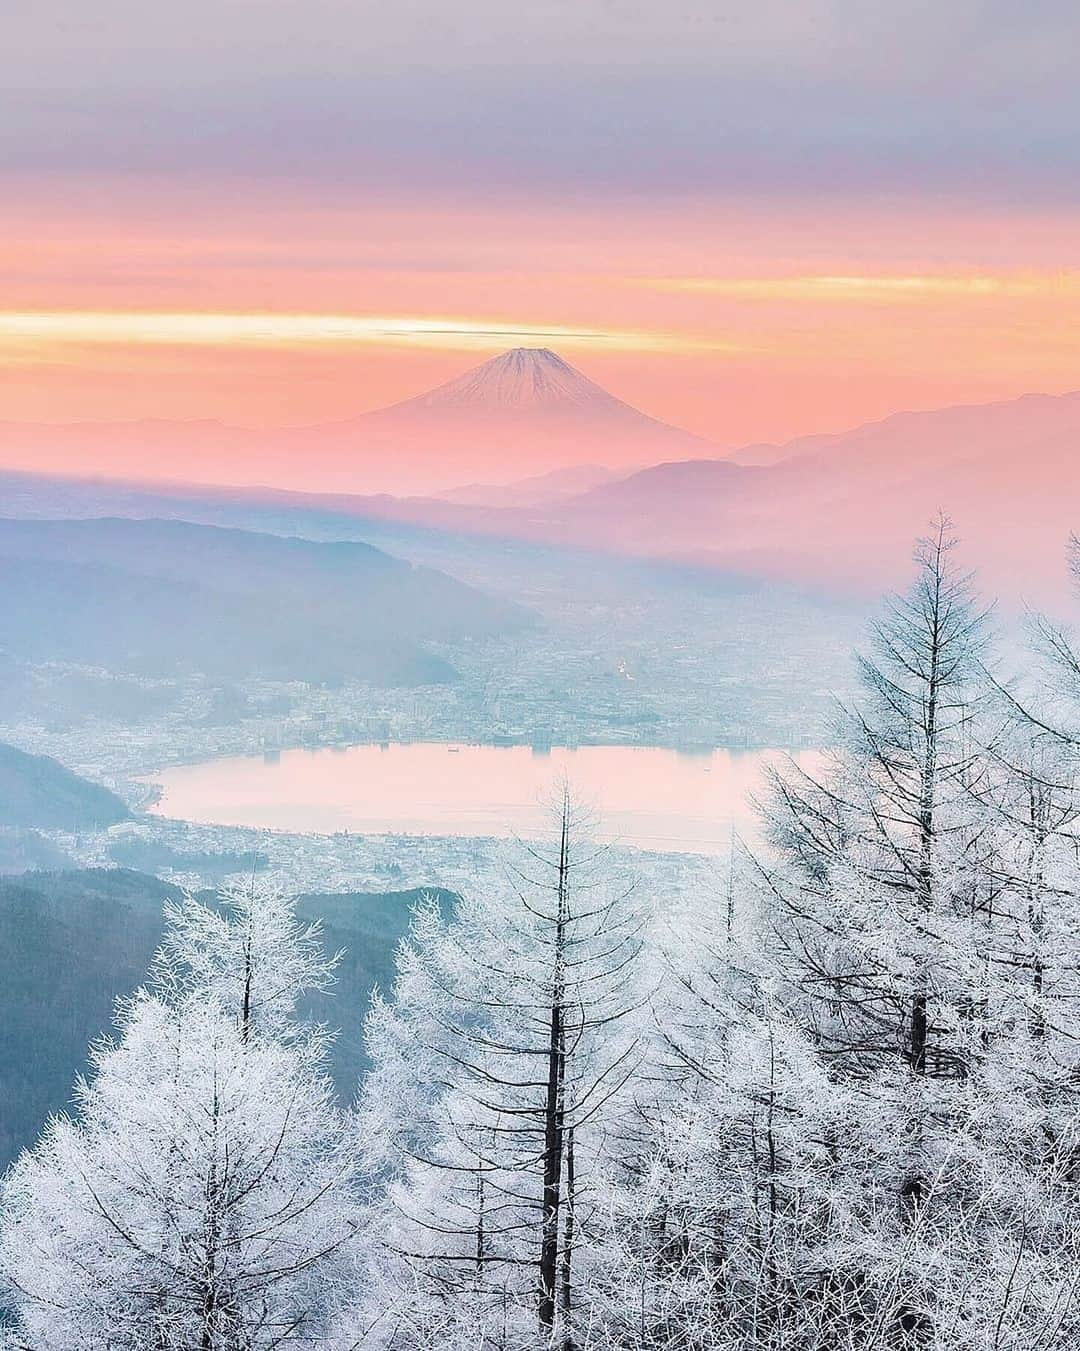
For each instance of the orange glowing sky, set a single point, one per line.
(716, 320)
(752, 226)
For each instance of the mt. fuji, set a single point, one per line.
(523, 414)
(525, 377)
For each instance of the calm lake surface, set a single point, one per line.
(653, 799)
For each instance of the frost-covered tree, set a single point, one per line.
(201, 1196)
(726, 1201)
(250, 952)
(499, 1064)
(878, 846)
(717, 1231)
(1030, 1063)
(1058, 713)
(905, 932)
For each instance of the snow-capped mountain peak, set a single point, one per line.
(523, 414)
(523, 378)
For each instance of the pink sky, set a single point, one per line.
(754, 222)
(738, 322)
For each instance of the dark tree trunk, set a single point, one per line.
(566, 1265)
(554, 1107)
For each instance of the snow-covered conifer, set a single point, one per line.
(514, 1017)
(200, 1198)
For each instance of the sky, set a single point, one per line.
(755, 221)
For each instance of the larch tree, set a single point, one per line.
(1031, 1055)
(250, 952)
(924, 929)
(201, 1196)
(515, 1016)
(729, 1204)
(880, 892)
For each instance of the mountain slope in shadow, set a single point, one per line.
(158, 597)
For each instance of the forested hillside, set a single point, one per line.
(38, 792)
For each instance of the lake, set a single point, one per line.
(649, 798)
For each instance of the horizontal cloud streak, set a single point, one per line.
(290, 330)
(885, 289)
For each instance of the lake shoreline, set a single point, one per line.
(654, 798)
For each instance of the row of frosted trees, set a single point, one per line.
(832, 1107)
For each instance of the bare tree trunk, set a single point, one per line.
(911, 1324)
(1039, 814)
(919, 1014)
(554, 1108)
(553, 1148)
(245, 1013)
(480, 1235)
(566, 1264)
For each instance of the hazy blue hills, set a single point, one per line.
(156, 597)
(71, 942)
(37, 792)
(22, 850)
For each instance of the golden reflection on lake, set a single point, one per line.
(645, 797)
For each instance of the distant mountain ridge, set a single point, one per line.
(155, 597)
(979, 431)
(537, 490)
(830, 508)
(845, 507)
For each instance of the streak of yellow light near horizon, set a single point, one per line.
(885, 288)
(82, 327)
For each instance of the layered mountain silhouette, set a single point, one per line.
(836, 509)
(523, 414)
(840, 509)
(535, 491)
(846, 507)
